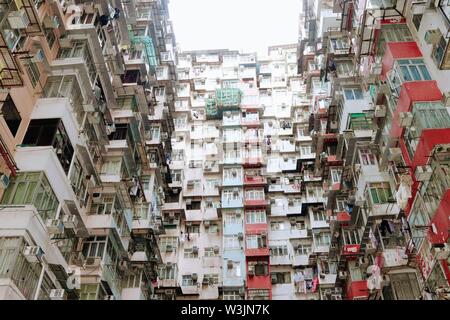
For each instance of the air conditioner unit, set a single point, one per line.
(395, 154)
(109, 297)
(433, 36)
(4, 181)
(423, 173)
(240, 236)
(93, 262)
(205, 281)
(216, 249)
(251, 271)
(171, 215)
(58, 294)
(55, 226)
(206, 223)
(194, 249)
(336, 297)
(405, 119)
(96, 197)
(18, 19)
(194, 277)
(342, 275)
(333, 125)
(33, 253)
(190, 183)
(110, 129)
(169, 248)
(230, 264)
(70, 221)
(380, 111)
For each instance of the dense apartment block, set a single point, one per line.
(131, 170)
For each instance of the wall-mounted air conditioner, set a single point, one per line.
(405, 119)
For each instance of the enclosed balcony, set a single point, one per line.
(232, 176)
(232, 198)
(254, 177)
(256, 245)
(254, 197)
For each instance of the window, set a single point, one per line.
(255, 216)
(344, 68)
(168, 243)
(353, 94)
(231, 217)
(417, 19)
(176, 175)
(280, 250)
(359, 121)
(319, 215)
(413, 70)
(439, 51)
(231, 242)
(89, 291)
(193, 205)
(367, 158)
(32, 188)
(261, 267)
(94, 246)
(351, 237)
(187, 281)
(133, 280)
(194, 228)
(280, 277)
(213, 228)
(51, 132)
(256, 241)
(167, 272)
(340, 205)
(11, 115)
(231, 295)
(277, 225)
(78, 182)
(50, 36)
(335, 175)
(380, 192)
(141, 211)
(210, 252)
(212, 278)
(112, 167)
(190, 254)
(302, 249)
(33, 72)
(322, 239)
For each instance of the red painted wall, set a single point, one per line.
(441, 221)
(398, 50)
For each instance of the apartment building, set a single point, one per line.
(384, 147)
(87, 95)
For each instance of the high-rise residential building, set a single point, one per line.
(133, 170)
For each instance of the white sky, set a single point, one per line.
(245, 25)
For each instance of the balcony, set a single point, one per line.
(254, 180)
(232, 181)
(26, 219)
(191, 289)
(327, 279)
(300, 260)
(109, 221)
(232, 202)
(257, 252)
(250, 120)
